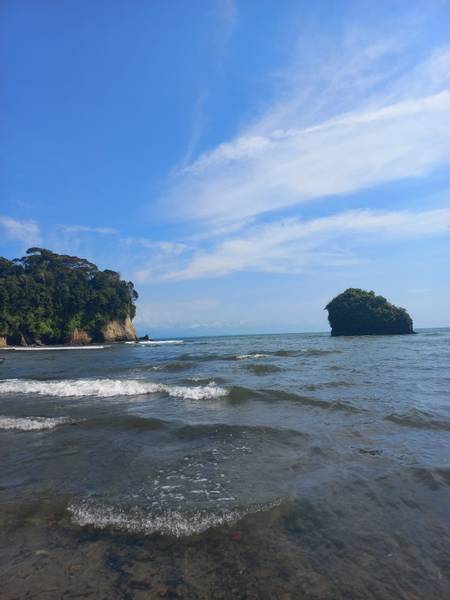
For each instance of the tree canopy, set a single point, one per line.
(46, 296)
(358, 312)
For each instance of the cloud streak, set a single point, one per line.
(86, 229)
(259, 174)
(293, 245)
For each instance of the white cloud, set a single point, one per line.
(22, 231)
(331, 132)
(293, 245)
(359, 150)
(87, 229)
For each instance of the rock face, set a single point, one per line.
(357, 312)
(119, 331)
(79, 337)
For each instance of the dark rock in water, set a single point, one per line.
(145, 338)
(357, 312)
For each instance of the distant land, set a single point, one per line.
(48, 298)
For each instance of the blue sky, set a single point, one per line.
(241, 162)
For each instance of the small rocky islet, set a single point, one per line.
(359, 312)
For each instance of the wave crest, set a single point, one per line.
(104, 388)
(31, 423)
(169, 522)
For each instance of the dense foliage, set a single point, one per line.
(357, 312)
(46, 296)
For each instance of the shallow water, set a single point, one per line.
(279, 466)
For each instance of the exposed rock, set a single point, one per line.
(79, 337)
(357, 312)
(3, 341)
(18, 340)
(145, 338)
(119, 331)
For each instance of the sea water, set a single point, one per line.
(275, 466)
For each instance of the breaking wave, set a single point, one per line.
(31, 423)
(168, 522)
(104, 388)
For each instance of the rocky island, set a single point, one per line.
(358, 312)
(48, 298)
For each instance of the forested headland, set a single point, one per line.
(49, 298)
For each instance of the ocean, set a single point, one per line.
(254, 467)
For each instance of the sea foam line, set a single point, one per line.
(169, 522)
(48, 348)
(104, 388)
(31, 423)
(159, 342)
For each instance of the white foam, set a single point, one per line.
(31, 423)
(48, 348)
(244, 356)
(103, 388)
(169, 522)
(159, 342)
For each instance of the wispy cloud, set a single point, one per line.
(26, 231)
(86, 229)
(293, 245)
(226, 15)
(302, 148)
(169, 247)
(197, 127)
(257, 174)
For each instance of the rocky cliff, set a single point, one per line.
(79, 337)
(116, 330)
(357, 312)
(119, 331)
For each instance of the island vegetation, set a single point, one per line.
(358, 312)
(48, 298)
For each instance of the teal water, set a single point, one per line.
(277, 466)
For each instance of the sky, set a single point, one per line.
(242, 162)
